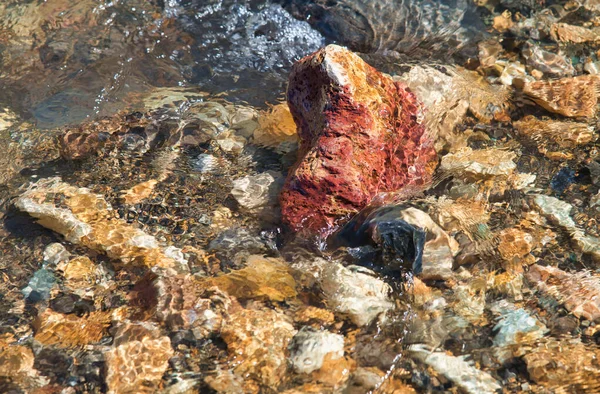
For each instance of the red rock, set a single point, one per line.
(360, 134)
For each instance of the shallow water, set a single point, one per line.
(173, 112)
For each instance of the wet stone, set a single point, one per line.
(309, 347)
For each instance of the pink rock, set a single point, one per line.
(360, 134)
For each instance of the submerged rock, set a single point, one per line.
(456, 369)
(572, 97)
(558, 211)
(579, 293)
(309, 347)
(257, 341)
(352, 292)
(360, 134)
(138, 358)
(87, 219)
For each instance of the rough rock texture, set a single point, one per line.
(580, 292)
(257, 342)
(361, 133)
(352, 292)
(138, 359)
(309, 347)
(456, 369)
(87, 219)
(572, 97)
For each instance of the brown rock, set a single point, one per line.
(87, 219)
(52, 328)
(138, 359)
(360, 134)
(572, 97)
(579, 292)
(564, 32)
(257, 342)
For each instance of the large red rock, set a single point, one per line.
(360, 132)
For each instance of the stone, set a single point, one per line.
(566, 365)
(551, 135)
(440, 248)
(139, 192)
(558, 212)
(479, 163)
(309, 347)
(87, 219)
(258, 193)
(572, 97)
(263, 278)
(137, 359)
(55, 253)
(40, 285)
(468, 378)
(353, 292)
(547, 62)
(67, 331)
(564, 32)
(311, 313)
(514, 244)
(349, 151)
(579, 292)
(183, 302)
(257, 342)
(277, 129)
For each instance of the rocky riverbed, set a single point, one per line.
(299, 196)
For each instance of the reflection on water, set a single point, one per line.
(157, 140)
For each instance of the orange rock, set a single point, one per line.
(276, 127)
(52, 328)
(87, 219)
(257, 342)
(334, 372)
(572, 97)
(138, 359)
(579, 292)
(139, 192)
(514, 244)
(311, 313)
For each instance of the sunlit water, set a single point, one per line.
(64, 63)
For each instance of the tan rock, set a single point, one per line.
(309, 313)
(276, 128)
(564, 366)
(15, 359)
(53, 328)
(257, 342)
(138, 359)
(553, 135)
(514, 244)
(579, 292)
(263, 278)
(563, 32)
(87, 219)
(572, 97)
(139, 192)
(503, 22)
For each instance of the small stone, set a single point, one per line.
(546, 62)
(257, 341)
(87, 219)
(558, 212)
(580, 292)
(440, 248)
(39, 285)
(503, 22)
(514, 244)
(257, 191)
(479, 163)
(352, 292)
(138, 358)
(457, 370)
(66, 331)
(311, 313)
(263, 278)
(139, 192)
(563, 32)
(277, 129)
(572, 97)
(309, 347)
(55, 253)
